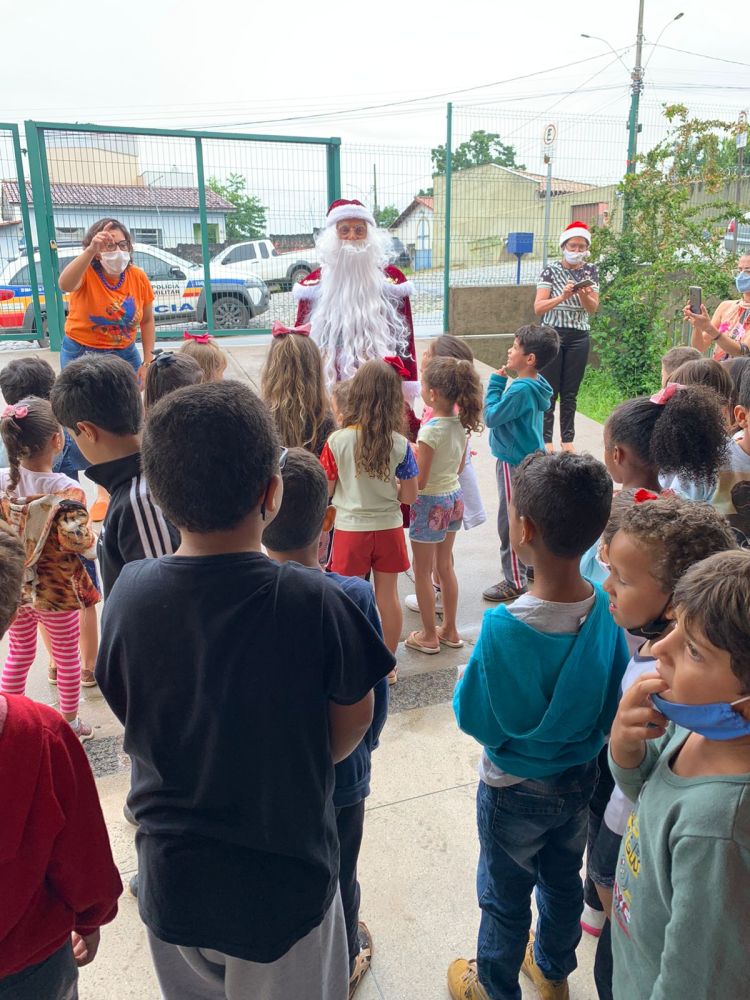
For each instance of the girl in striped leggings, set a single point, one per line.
(48, 512)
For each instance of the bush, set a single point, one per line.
(598, 395)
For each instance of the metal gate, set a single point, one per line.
(222, 223)
(20, 306)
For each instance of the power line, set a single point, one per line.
(701, 55)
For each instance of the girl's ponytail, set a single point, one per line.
(26, 429)
(689, 438)
(457, 381)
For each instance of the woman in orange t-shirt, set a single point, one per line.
(110, 298)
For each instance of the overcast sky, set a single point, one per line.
(199, 64)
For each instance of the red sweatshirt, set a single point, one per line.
(56, 868)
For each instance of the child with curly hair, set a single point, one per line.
(657, 541)
(371, 471)
(452, 389)
(292, 386)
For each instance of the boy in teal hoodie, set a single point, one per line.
(514, 415)
(539, 693)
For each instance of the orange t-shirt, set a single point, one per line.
(101, 317)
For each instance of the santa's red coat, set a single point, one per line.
(396, 285)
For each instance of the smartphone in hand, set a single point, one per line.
(585, 283)
(696, 299)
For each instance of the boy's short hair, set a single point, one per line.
(209, 451)
(100, 390)
(303, 506)
(743, 390)
(714, 598)
(11, 576)
(567, 497)
(26, 377)
(677, 356)
(539, 340)
(677, 533)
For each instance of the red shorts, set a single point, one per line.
(357, 552)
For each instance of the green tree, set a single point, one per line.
(385, 217)
(480, 148)
(248, 221)
(666, 244)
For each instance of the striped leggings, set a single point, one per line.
(64, 629)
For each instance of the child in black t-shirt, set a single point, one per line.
(240, 683)
(293, 536)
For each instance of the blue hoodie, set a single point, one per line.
(541, 703)
(515, 417)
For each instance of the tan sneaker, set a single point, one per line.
(549, 989)
(463, 981)
(363, 960)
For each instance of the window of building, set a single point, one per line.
(69, 234)
(152, 237)
(213, 232)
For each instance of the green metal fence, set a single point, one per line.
(223, 224)
(20, 308)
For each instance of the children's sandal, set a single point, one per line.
(52, 673)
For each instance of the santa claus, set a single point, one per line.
(357, 303)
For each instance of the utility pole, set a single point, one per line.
(635, 94)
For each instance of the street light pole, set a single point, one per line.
(635, 94)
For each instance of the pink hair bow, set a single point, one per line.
(19, 412)
(640, 496)
(279, 330)
(199, 338)
(664, 395)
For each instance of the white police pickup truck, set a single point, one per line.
(179, 295)
(260, 257)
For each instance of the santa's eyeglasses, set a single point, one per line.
(358, 230)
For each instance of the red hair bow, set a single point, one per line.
(279, 330)
(398, 366)
(664, 395)
(199, 338)
(640, 496)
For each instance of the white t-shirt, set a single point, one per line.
(38, 483)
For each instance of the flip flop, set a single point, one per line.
(413, 643)
(447, 642)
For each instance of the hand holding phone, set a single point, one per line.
(585, 283)
(696, 299)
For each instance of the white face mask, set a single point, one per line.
(115, 261)
(575, 258)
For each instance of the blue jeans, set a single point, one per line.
(532, 834)
(71, 350)
(70, 460)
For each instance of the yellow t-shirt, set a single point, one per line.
(101, 317)
(363, 503)
(447, 438)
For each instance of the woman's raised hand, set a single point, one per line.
(102, 239)
(701, 322)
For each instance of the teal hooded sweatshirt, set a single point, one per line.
(515, 416)
(541, 703)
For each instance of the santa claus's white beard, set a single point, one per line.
(353, 319)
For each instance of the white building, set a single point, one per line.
(414, 228)
(161, 216)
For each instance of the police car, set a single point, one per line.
(179, 296)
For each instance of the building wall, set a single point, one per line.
(176, 227)
(9, 237)
(408, 231)
(90, 165)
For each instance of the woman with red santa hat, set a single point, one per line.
(566, 298)
(357, 303)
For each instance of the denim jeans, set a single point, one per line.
(70, 461)
(71, 350)
(532, 834)
(56, 978)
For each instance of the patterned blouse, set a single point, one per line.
(570, 314)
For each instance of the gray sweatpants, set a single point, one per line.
(315, 968)
(514, 570)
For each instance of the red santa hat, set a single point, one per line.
(576, 228)
(343, 209)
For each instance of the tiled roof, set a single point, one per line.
(111, 196)
(425, 199)
(420, 199)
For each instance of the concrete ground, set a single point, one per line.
(418, 861)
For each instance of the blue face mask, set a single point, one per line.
(742, 281)
(717, 721)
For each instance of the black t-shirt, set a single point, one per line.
(221, 669)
